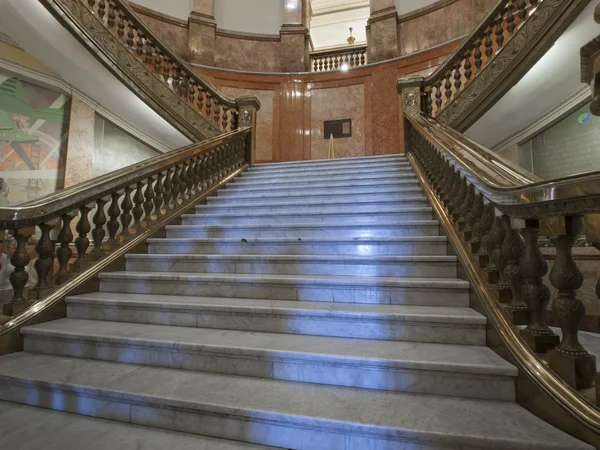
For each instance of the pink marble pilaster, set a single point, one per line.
(206, 7)
(382, 35)
(80, 148)
(202, 37)
(293, 49)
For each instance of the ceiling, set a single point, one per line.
(331, 6)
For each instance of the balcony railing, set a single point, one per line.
(338, 59)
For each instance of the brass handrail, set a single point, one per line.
(53, 205)
(509, 187)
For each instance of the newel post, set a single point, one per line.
(410, 89)
(248, 109)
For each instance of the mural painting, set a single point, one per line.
(34, 125)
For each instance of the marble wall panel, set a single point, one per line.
(442, 25)
(333, 104)
(294, 125)
(264, 119)
(80, 149)
(292, 53)
(247, 54)
(175, 36)
(384, 114)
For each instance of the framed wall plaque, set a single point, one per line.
(339, 128)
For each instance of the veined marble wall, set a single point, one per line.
(171, 30)
(260, 54)
(294, 107)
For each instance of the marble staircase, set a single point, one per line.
(309, 305)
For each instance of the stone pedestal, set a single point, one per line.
(202, 36)
(248, 107)
(294, 49)
(382, 35)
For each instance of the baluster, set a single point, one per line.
(149, 203)
(121, 26)
(448, 88)
(64, 252)
(459, 199)
(535, 293)
(478, 55)
(113, 223)
(139, 44)
(208, 104)
(111, 15)
(191, 177)
(138, 210)
(130, 35)
(429, 103)
(438, 96)
(457, 78)
(510, 20)
(101, 9)
(521, 10)
(495, 267)
(82, 242)
(363, 59)
(512, 249)
(175, 187)
(167, 194)
(19, 276)
(225, 118)
(234, 119)
(44, 263)
(126, 217)
(488, 45)
(99, 220)
(158, 196)
(216, 112)
(499, 32)
(468, 66)
(92, 4)
(473, 216)
(183, 182)
(569, 359)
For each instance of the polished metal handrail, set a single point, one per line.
(509, 187)
(53, 205)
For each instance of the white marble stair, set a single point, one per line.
(291, 415)
(440, 369)
(437, 324)
(307, 306)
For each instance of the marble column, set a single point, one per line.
(382, 31)
(80, 147)
(202, 33)
(295, 47)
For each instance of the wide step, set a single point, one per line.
(442, 369)
(438, 324)
(380, 290)
(301, 416)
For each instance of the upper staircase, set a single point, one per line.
(308, 305)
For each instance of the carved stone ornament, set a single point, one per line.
(411, 100)
(246, 118)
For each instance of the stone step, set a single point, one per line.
(411, 245)
(312, 288)
(399, 182)
(28, 428)
(438, 369)
(301, 230)
(350, 172)
(315, 215)
(396, 175)
(340, 168)
(440, 324)
(334, 195)
(301, 416)
(340, 162)
(338, 265)
(310, 206)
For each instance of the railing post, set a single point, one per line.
(248, 108)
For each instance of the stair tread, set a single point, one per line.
(436, 420)
(322, 203)
(314, 162)
(28, 428)
(306, 212)
(472, 359)
(302, 193)
(288, 240)
(417, 313)
(356, 259)
(446, 283)
(391, 223)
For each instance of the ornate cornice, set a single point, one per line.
(105, 46)
(512, 62)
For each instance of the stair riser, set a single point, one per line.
(299, 248)
(340, 167)
(282, 366)
(386, 168)
(374, 216)
(332, 326)
(414, 269)
(304, 232)
(291, 180)
(283, 432)
(401, 182)
(404, 198)
(279, 291)
(360, 162)
(310, 208)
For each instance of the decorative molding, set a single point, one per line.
(68, 89)
(512, 62)
(248, 36)
(549, 118)
(8, 40)
(328, 7)
(108, 49)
